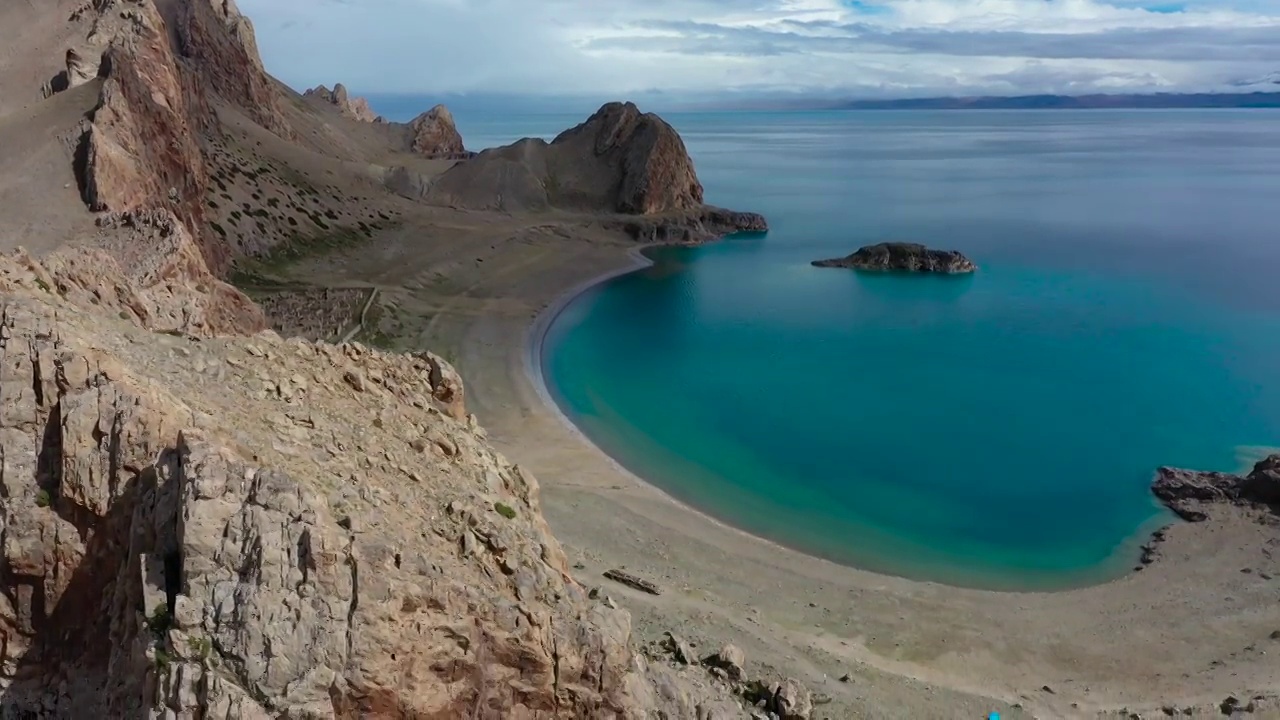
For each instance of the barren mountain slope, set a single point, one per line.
(201, 520)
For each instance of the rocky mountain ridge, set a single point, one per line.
(356, 108)
(203, 519)
(619, 160)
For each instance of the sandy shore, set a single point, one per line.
(1189, 630)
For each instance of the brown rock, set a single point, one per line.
(355, 108)
(679, 649)
(619, 161)
(224, 53)
(446, 386)
(791, 700)
(626, 578)
(731, 659)
(434, 134)
(656, 173)
(80, 69)
(162, 551)
(1189, 492)
(903, 257)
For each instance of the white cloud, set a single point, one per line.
(702, 47)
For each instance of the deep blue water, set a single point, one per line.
(998, 430)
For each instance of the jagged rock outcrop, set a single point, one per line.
(354, 108)
(219, 43)
(706, 223)
(254, 527)
(434, 134)
(904, 257)
(151, 259)
(1189, 492)
(80, 69)
(643, 154)
(618, 160)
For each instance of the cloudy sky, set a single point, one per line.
(706, 48)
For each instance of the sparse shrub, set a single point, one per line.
(43, 499)
(505, 510)
(203, 646)
(160, 621)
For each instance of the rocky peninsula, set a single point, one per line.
(902, 257)
(205, 518)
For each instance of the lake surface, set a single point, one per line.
(996, 430)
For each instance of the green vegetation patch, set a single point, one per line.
(270, 269)
(505, 510)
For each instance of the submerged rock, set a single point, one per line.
(1184, 490)
(909, 257)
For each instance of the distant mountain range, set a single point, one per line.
(1057, 102)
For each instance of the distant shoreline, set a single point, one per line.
(1152, 101)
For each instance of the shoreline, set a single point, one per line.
(912, 647)
(1115, 568)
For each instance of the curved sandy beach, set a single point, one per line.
(1189, 630)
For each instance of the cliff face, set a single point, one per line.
(643, 157)
(264, 528)
(619, 160)
(204, 520)
(355, 108)
(434, 134)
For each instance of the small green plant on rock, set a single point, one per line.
(42, 498)
(203, 646)
(160, 621)
(505, 510)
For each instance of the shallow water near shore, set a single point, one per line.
(996, 430)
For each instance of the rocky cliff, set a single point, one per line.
(201, 519)
(1189, 492)
(619, 160)
(434, 134)
(903, 257)
(255, 527)
(356, 108)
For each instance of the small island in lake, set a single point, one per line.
(908, 257)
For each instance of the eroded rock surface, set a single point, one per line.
(1189, 493)
(904, 257)
(619, 160)
(255, 527)
(356, 108)
(434, 134)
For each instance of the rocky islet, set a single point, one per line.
(902, 257)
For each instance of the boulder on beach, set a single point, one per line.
(906, 257)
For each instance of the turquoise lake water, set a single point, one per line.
(997, 430)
